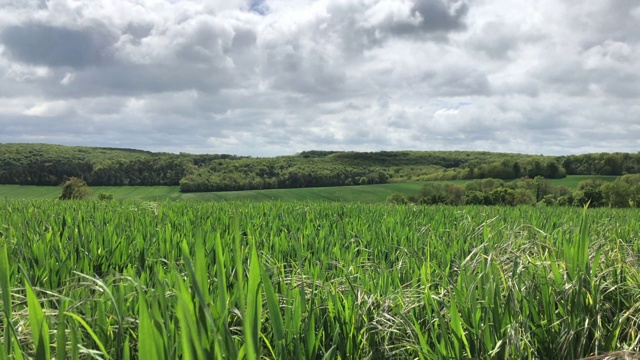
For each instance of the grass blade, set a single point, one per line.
(39, 326)
(254, 307)
(93, 335)
(5, 288)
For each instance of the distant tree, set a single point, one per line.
(522, 197)
(566, 200)
(633, 180)
(75, 189)
(623, 192)
(517, 170)
(473, 197)
(502, 196)
(553, 171)
(456, 194)
(541, 187)
(535, 169)
(590, 191)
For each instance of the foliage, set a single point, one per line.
(43, 164)
(397, 198)
(622, 192)
(279, 173)
(313, 281)
(74, 189)
(105, 197)
(590, 192)
(601, 164)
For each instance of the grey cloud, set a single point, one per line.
(603, 69)
(499, 40)
(138, 31)
(427, 17)
(44, 44)
(325, 74)
(126, 79)
(259, 6)
(607, 19)
(441, 15)
(457, 81)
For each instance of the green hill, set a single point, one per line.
(44, 164)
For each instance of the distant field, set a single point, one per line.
(360, 193)
(363, 193)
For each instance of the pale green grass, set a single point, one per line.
(360, 193)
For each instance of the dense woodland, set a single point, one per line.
(42, 164)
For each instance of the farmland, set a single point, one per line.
(359, 193)
(276, 280)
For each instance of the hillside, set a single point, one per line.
(44, 164)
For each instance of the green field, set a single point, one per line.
(361, 193)
(273, 280)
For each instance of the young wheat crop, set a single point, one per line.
(132, 280)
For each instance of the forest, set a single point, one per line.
(44, 164)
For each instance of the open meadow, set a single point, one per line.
(303, 280)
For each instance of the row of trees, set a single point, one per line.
(505, 170)
(623, 192)
(43, 164)
(151, 171)
(601, 164)
(279, 173)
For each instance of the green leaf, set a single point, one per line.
(6, 296)
(149, 338)
(61, 335)
(39, 326)
(275, 316)
(456, 324)
(91, 333)
(254, 307)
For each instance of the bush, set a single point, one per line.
(590, 191)
(476, 198)
(74, 189)
(397, 198)
(105, 197)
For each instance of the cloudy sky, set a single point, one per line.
(272, 77)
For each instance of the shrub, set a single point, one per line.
(105, 197)
(75, 189)
(397, 198)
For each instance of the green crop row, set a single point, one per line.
(133, 280)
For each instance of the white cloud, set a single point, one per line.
(52, 108)
(275, 77)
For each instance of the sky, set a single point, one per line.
(276, 77)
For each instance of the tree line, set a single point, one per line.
(279, 173)
(622, 192)
(43, 164)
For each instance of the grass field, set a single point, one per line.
(249, 280)
(364, 193)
